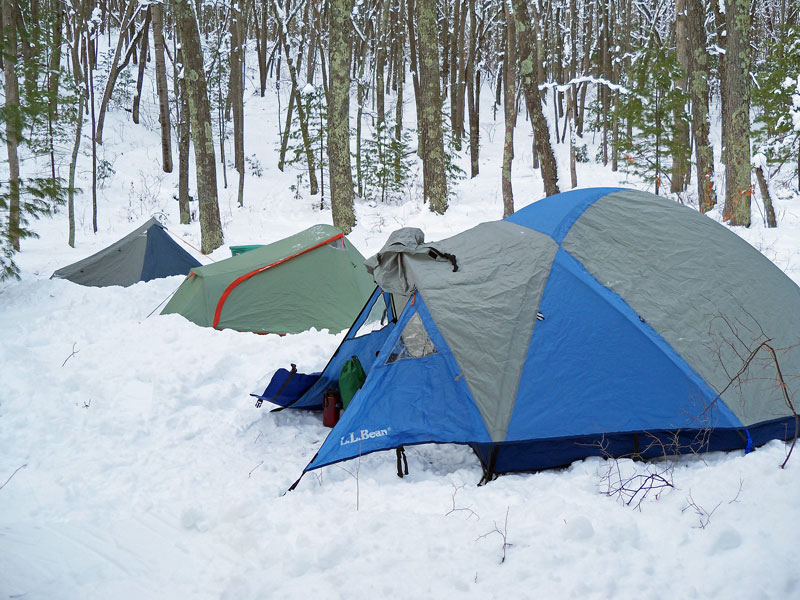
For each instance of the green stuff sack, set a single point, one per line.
(351, 378)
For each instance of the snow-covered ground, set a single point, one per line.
(133, 463)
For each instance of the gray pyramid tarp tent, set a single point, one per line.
(594, 322)
(144, 254)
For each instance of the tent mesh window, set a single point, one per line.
(376, 320)
(414, 342)
(338, 243)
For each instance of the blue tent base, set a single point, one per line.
(286, 387)
(546, 454)
(551, 453)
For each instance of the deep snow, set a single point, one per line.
(138, 466)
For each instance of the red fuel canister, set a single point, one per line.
(330, 408)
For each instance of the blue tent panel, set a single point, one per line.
(406, 401)
(286, 387)
(365, 347)
(163, 257)
(594, 366)
(555, 215)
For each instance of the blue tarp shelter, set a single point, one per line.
(144, 254)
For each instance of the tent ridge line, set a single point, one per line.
(246, 276)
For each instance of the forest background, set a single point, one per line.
(647, 80)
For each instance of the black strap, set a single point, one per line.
(434, 254)
(260, 401)
(401, 456)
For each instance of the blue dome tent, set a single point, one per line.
(604, 322)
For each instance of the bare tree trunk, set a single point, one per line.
(605, 62)
(238, 23)
(530, 85)
(573, 171)
(587, 62)
(184, 140)
(116, 68)
(90, 94)
(473, 92)
(157, 12)
(572, 91)
(13, 121)
(341, 177)
(699, 59)
(301, 112)
(433, 157)
(762, 184)
(380, 64)
(54, 68)
(72, 165)
(413, 52)
(200, 124)
(509, 109)
(401, 76)
(457, 81)
(142, 64)
(286, 130)
(681, 159)
(737, 121)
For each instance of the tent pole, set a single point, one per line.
(488, 471)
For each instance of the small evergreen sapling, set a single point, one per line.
(776, 100)
(651, 107)
(386, 166)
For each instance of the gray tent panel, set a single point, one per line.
(489, 302)
(651, 252)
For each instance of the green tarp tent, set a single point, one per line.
(315, 278)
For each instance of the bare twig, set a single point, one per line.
(503, 534)
(757, 334)
(702, 513)
(74, 352)
(787, 399)
(739, 491)
(633, 489)
(467, 509)
(19, 468)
